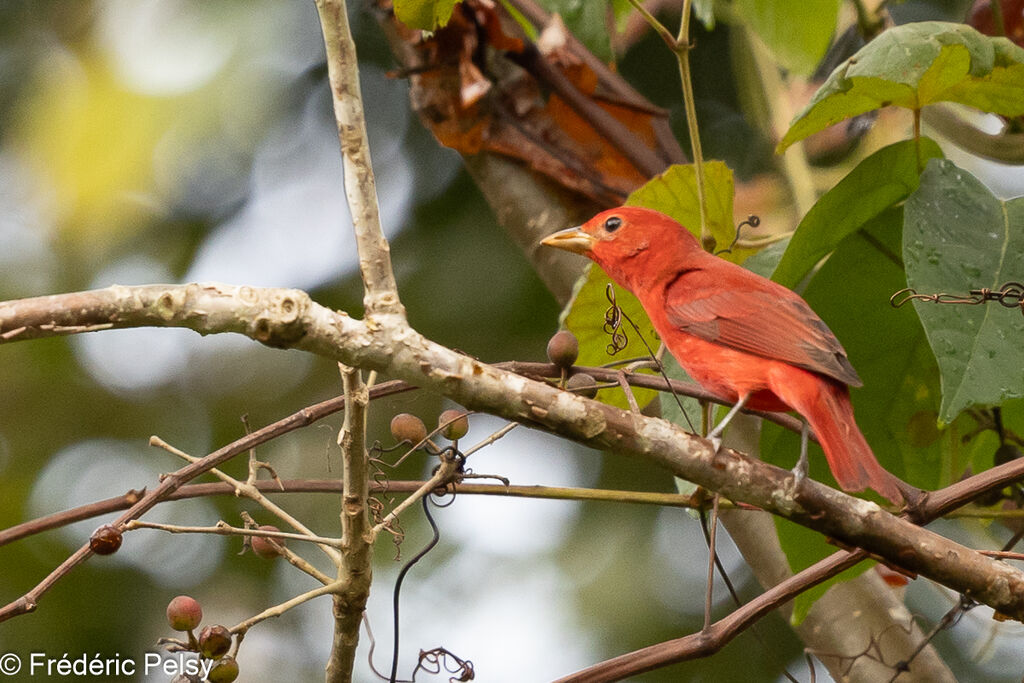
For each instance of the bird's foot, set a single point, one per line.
(799, 472)
(716, 442)
(800, 469)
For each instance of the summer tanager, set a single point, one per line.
(742, 337)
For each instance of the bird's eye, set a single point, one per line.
(612, 224)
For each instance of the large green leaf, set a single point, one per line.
(798, 32)
(915, 65)
(958, 237)
(878, 182)
(900, 402)
(428, 15)
(674, 193)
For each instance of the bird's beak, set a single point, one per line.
(572, 239)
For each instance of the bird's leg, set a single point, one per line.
(715, 435)
(800, 470)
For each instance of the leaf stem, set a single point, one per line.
(998, 25)
(682, 50)
(680, 45)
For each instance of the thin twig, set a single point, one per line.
(249, 491)
(682, 51)
(277, 610)
(224, 529)
(142, 503)
(188, 491)
(490, 439)
(680, 46)
(441, 477)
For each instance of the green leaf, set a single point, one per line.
(878, 182)
(674, 193)
(958, 237)
(797, 32)
(914, 65)
(766, 261)
(428, 15)
(584, 315)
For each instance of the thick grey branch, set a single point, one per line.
(282, 318)
(289, 318)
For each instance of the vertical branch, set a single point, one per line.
(354, 571)
(380, 297)
(380, 291)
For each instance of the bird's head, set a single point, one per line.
(629, 243)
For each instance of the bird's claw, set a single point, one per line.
(716, 443)
(799, 476)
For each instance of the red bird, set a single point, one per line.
(742, 337)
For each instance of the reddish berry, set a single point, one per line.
(263, 546)
(184, 613)
(563, 349)
(408, 427)
(214, 641)
(105, 540)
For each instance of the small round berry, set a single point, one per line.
(408, 427)
(583, 384)
(184, 613)
(214, 641)
(106, 540)
(563, 349)
(454, 424)
(263, 546)
(224, 671)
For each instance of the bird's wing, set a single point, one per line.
(775, 324)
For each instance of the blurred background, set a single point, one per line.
(147, 141)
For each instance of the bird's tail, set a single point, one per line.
(849, 456)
